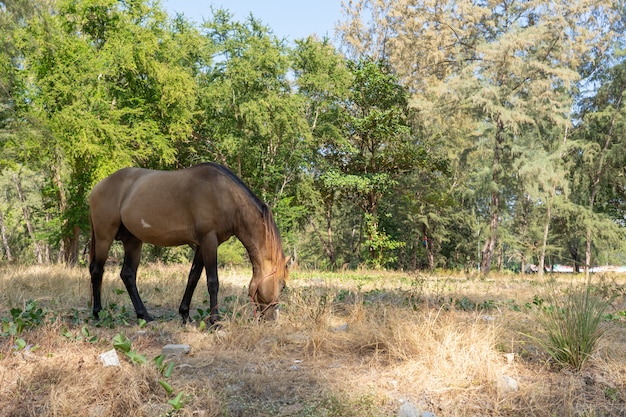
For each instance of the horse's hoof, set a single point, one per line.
(215, 323)
(216, 326)
(147, 317)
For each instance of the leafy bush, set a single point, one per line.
(232, 253)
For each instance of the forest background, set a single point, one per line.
(459, 134)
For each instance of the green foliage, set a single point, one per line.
(178, 401)
(114, 315)
(373, 159)
(123, 344)
(165, 369)
(571, 325)
(380, 244)
(20, 344)
(84, 335)
(232, 253)
(23, 319)
(253, 118)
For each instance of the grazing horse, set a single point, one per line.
(201, 206)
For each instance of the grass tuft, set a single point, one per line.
(572, 325)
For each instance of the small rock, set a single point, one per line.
(341, 328)
(291, 410)
(510, 357)
(407, 409)
(109, 358)
(506, 383)
(175, 349)
(98, 410)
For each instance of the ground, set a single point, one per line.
(359, 343)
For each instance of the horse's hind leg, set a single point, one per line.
(99, 254)
(132, 256)
(192, 282)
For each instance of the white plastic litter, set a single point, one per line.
(110, 358)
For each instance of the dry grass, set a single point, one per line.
(350, 344)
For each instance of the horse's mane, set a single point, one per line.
(272, 234)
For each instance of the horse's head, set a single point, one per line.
(268, 286)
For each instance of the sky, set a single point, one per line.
(290, 19)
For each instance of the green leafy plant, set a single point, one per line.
(123, 344)
(166, 386)
(202, 314)
(20, 344)
(165, 369)
(571, 325)
(619, 316)
(178, 401)
(22, 319)
(110, 318)
(85, 335)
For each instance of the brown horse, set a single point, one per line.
(201, 206)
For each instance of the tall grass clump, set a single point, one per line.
(571, 325)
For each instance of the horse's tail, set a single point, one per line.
(92, 241)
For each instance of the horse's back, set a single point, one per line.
(165, 208)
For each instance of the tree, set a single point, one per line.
(107, 89)
(600, 177)
(323, 79)
(376, 146)
(497, 69)
(249, 118)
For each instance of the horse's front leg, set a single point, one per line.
(209, 257)
(192, 282)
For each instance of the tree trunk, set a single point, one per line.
(26, 214)
(71, 246)
(490, 242)
(69, 243)
(327, 244)
(542, 255)
(572, 246)
(61, 198)
(46, 245)
(5, 240)
(431, 257)
(428, 248)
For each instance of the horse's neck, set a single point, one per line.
(252, 236)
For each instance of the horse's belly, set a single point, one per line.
(168, 239)
(161, 233)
